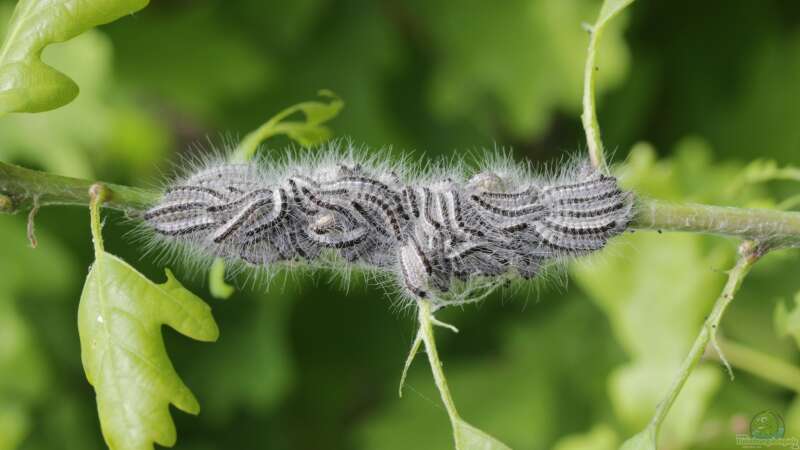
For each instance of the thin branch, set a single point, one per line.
(98, 194)
(589, 116)
(779, 228)
(19, 187)
(426, 323)
(609, 10)
(749, 253)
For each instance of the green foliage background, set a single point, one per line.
(577, 363)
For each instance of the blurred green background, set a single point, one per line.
(690, 93)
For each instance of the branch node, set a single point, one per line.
(99, 193)
(6, 204)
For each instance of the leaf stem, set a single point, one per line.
(247, 148)
(589, 117)
(749, 253)
(98, 193)
(426, 323)
(609, 10)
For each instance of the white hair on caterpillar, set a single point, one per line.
(448, 232)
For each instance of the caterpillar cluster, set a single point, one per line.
(432, 229)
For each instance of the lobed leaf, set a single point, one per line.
(119, 320)
(26, 83)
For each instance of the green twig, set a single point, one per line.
(589, 117)
(98, 194)
(426, 323)
(19, 187)
(779, 228)
(749, 253)
(609, 10)
(466, 436)
(307, 132)
(247, 148)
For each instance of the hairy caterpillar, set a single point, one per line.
(434, 229)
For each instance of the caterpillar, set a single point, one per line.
(435, 230)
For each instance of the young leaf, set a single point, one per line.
(119, 321)
(307, 133)
(26, 83)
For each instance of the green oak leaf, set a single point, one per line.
(26, 83)
(119, 320)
